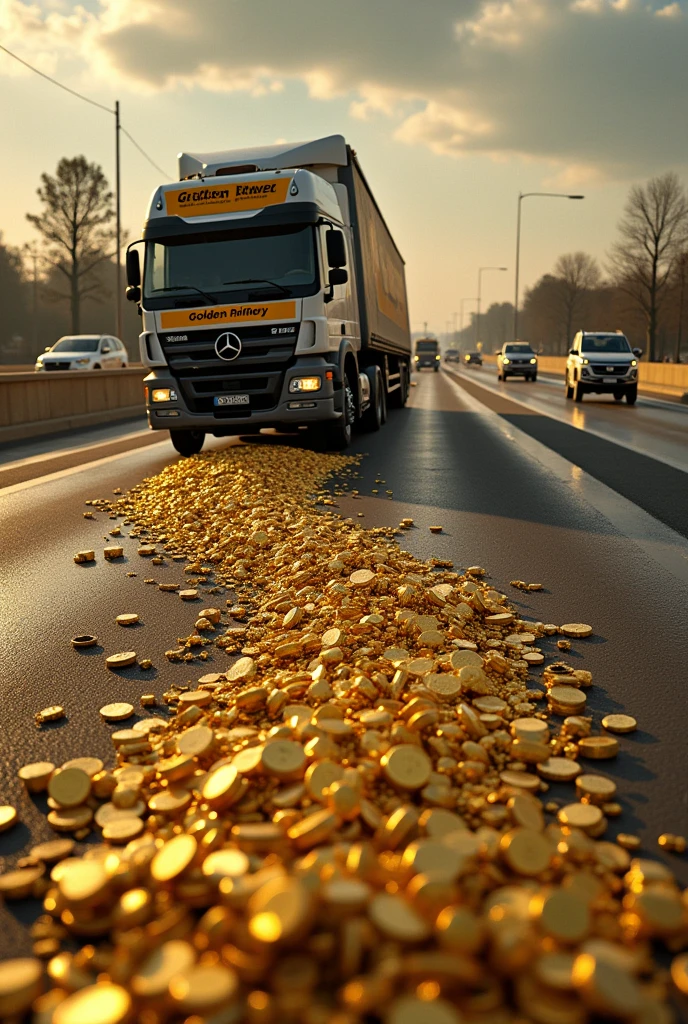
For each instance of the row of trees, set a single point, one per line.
(66, 283)
(643, 291)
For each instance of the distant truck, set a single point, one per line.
(452, 355)
(272, 295)
(427, 353)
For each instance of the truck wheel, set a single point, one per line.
(436, 368)
(618, 396)
(335, 435)
(578, 391)
(534, 378)
(187, 442)
(399, 397)
(632, 395)
(375, 414)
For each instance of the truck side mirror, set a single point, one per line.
(133, 293)
(336, 249)
(338, 275)
(133, 269)
(572, 351)
(637, 352)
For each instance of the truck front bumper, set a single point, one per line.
(291, 411)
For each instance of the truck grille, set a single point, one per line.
(602, 370)
(258, 371)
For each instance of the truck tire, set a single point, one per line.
(632, 395)
(335, 435)
(578, 391)
(187, 442)
(436, 367)
(376, 414)
(399, 397)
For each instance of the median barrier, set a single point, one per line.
(663, 380)
(32, 404)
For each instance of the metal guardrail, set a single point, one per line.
(43, 403)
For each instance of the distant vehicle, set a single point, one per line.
(452, 355)
(473, 359)
(516, 359)
(84, 352)
(602, 362)
(427, 354)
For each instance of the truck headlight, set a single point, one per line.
(416, 358)
(533, 360)
(163, 395)
(634, 362)
(436, 357)
(585, 362)
(505, 360)
(300, 384)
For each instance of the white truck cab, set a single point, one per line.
(602, 362)
(272, 295)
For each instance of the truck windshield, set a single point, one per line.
(426, 346)
(605, 343)
(230, 267)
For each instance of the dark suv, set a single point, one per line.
(473, 359)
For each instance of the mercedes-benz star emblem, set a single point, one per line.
(228, 346)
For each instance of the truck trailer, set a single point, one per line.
(272, 295)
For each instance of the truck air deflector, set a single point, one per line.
(279, 216)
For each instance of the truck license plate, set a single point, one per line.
(609, 380)
(231, 400)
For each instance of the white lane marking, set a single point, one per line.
(59, 452)
(62, 473)
(658, 541)
(577, 426)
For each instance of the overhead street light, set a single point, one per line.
(477, 315)
(521, 197)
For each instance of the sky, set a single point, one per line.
(453, 107)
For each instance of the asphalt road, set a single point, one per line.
(506, 496)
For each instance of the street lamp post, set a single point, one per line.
(477, 315)
(521, 197)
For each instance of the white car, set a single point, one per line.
(84, 352)
(516, 359)
(602, 362)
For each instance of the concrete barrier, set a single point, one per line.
(663, 380)
(45, 403)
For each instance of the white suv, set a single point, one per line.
(84, 352)
(602, 362)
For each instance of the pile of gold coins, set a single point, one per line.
(350, 821)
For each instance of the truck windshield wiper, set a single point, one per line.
(261, 280)
(187, 287)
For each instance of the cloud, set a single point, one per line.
(588, 86)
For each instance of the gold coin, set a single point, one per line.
(598, 748)
(534, 657)
(127, 619)
(244, 668)
(70, 819)
(37, 775)
(173, 858)
(520, 780)
(145, 725)
(419, 666)
(460, 929)
(20, 984)
(82, 881)
(313, 830)
(90, 765)
(199, 698)
(567, 697)
(411, 1010)
(169, 801)
(445, 687)
(279, 910)
(203, 988)
(437, 822)
(122, 830)
(397, 919)
(188, 595)
(69, 787)
(489, 705)
(320, 776)
(222, 787)
(499, 619)
(605, 987)
(153, 977)
(393, 654)
(121, 660)
(462, 658)
(109, 812)
(526, 852)
(555, 970)
(362, 577)
(196, 742)
(526, 812)
(529, 729)
(53, 850)
(51, 714)
(596, 787)
(332, 638)
(284, 759)
(559, 769)
(562, 915)
(406, 766)
(619, 723)
(576, 629)
(8, 817)
(117, 712)
(582, 816)
(679, 972)
(226, 863)
(18, 884)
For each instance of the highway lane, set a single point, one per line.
(503, 500)
(655, 428)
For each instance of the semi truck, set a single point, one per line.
(272, 295)
(427, 354)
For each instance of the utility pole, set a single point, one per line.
(118, 257)
(683, 260)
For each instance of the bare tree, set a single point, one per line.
(577, 275)
(76, 224)
(653, 231)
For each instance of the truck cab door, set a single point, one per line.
(342, 310)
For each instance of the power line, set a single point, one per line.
(55, 82)
(86, 99)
